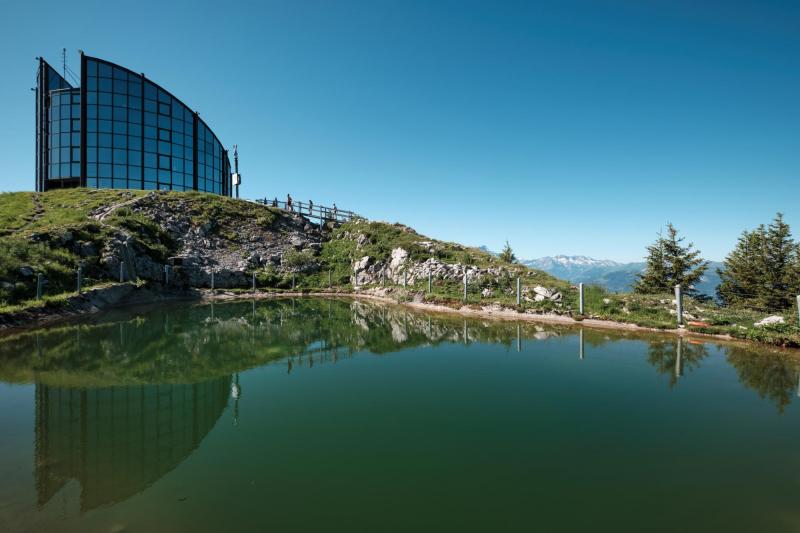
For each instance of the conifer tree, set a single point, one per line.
(507, 254)
(763, 271)
(670, 263)
(741, 275)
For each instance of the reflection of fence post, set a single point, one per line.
(580, 298)
(519, 295)
(798, 309)
(121, 271)
(679, 304)
(39, 286)
(80, 279)
(580, 346)
(465, 285)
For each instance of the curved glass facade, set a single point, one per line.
(120, 130)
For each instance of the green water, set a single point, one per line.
(358, 417)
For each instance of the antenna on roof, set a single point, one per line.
(237, 178)
(64, 63)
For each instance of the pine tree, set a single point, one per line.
(763, 271)
(742, 272)
(780, 275)
(507, 254)
(670, 263)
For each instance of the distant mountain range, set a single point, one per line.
(614, 276)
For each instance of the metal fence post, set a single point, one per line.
(39, 286)
(430, 282)
(254, 282)
(519, 292)
(679, 304)
(212, 279)
(465, 286)
(580, 298)
(798, 309)
(121, 271)
(80, 279)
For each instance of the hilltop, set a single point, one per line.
(198, 235)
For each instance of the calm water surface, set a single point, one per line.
(318, 415)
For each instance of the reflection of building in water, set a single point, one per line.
(116, 441)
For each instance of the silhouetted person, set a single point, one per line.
(335, 210)
(289, 202)
(310, 207)
(275, 202)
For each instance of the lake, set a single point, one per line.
(338, 415)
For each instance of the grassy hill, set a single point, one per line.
(52, 233)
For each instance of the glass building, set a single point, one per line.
(120, 130)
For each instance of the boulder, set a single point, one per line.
(770, 321)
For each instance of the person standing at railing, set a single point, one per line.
(310, 207)
(275, 202)
(289, 202)
(335, 210)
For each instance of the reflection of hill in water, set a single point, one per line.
(116, 441)
(195, 343)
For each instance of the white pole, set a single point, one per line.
(679, 304)
(430, 282)
(519, 292)
(465, 285)
(121, 271)
(80, 279)
(212, 279)
(580, 298)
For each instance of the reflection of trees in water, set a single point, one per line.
(192, 343)
(116, 441)
(675, 357)
(774, 375)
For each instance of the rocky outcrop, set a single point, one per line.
(231, 245)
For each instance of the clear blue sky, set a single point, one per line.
(564, 127)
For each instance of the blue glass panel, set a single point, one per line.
(91, 155)
(120, 141)
(135, 129)
(104, 139)
(134, 172)
(104, 155)
(121, 114)
(104, 98)
(134, 143)
(103, 70)
(120, 128)
(120, 100)
(91, 111)
(121, 86)
(91, 67)
(91, 139)
(104, 126)
(104, 112)
(149, 160)
(104, 85)
(76, 169)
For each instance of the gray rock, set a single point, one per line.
(770, 321)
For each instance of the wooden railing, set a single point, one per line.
(312, 210)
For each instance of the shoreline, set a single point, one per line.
(130, 295)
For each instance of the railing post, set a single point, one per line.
(121, 271)
(80, 279)
(679, 304)
(465, 285)
(519, 292)
(580, 298)
(39, 286)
